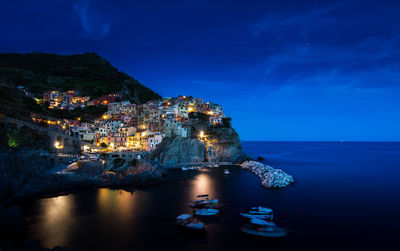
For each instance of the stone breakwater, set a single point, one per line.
(270, 177)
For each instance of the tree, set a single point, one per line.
(12, 138)
(227, 122)
(103, 145)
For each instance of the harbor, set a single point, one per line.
(313, 210)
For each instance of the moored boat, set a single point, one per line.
(205, 203)
(263, 228)
(187, 222)
(206, 212)
(258, 213)
(226, 171)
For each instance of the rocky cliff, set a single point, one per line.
(218, 144)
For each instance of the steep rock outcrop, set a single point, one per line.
(176, 150)
(224, 145)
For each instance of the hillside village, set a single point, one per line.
(125, 126)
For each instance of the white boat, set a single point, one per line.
(186, 221)
(260, 210)
(258, 213)
(262, 222)
(204, 203)
(263, 228)
(226, 171)
(206, 211)
(255, 216)
(184, 168)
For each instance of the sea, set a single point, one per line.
(346, 196)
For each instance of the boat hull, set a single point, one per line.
(256, 216)
(277, 232)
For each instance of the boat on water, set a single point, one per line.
(258, 213)
(187, 222)
(184, 168)
(263, 228)
(204, 202)
(206, 212)
(226, 171)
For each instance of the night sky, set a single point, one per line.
(283, 70)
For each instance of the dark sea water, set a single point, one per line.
(346, 197)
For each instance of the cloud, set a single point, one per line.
(302, 21)
(363, 56)
(92, 23)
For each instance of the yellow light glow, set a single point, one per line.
(201, 134)
(58, 145)
(79, 119)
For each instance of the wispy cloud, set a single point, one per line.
(92, 23)
(335, 57)
(302, 21)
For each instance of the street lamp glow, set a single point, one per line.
(58, 145)
(201, 134)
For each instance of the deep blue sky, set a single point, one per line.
(283, 70)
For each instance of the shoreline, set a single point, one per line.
(169, 174)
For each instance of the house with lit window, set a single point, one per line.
(116, 139)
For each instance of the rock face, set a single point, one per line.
(27, 174)
(17, 168)
(176, 150)
(224, 145)
(270, 177)
(218, 144)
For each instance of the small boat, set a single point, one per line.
(187, 222)
(204, 202)
(253, 216)
(263, 228)
(258, 213)
(226, 171)
(206, 211)
(184, 168)
(260, 210)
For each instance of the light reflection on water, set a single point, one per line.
(118, 203)
(202, 184)
(56, 212)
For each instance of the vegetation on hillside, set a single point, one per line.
(25, 138)
(87, 73)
